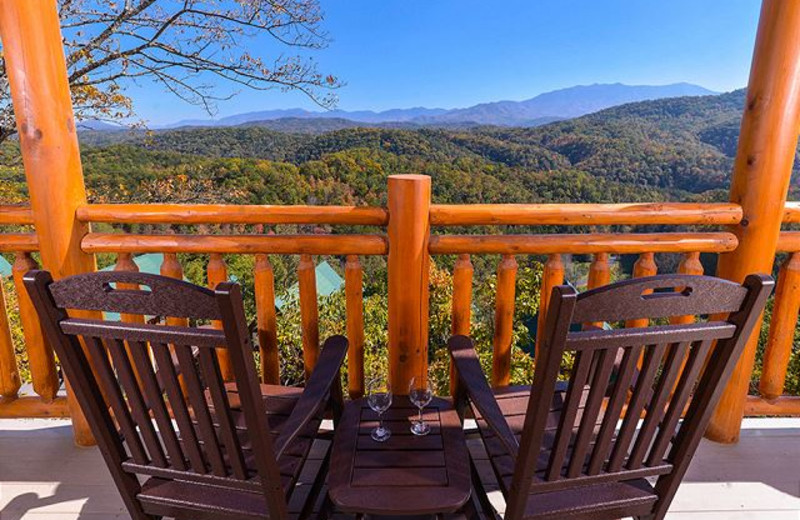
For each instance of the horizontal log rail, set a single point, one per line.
(583, 244)
(230, 244)
(677, 213)
(784, 406)
(16, 215)
(231, 214)
(13, 242)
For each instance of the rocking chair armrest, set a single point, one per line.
(315, 394)
(471, 375)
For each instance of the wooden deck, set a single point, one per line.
(43, 476)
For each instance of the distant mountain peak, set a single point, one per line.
(563, 103)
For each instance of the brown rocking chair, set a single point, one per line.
(566, 449)
(159, 408)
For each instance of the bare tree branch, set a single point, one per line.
(193, 48)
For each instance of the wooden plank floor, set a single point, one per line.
(44, 477)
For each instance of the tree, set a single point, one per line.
(188, 46)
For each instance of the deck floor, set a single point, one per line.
(43, 476)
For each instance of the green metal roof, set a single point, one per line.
(328, 282)
(5, 267)
(147, 263)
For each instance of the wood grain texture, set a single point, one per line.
(230, 244)
(10, 382)
(676, 213)
(12, 242)
(354, 302)
(309, 312)
(37, 77)
(780, 341)
(266, 320)
(409, 232)
(229, 214)
(503, 321)
(761, 174)
(552, 276)
(582, 244)
(217, 273)
(16, 215)
(40, 354)
(462, 308)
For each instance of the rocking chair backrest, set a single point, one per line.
(132, 378)
(657, 372)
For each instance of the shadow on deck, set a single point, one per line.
(43, 476)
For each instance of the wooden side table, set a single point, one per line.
(406, 475)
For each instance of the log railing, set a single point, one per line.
(414, 230)
(599, 245)
(42, 399)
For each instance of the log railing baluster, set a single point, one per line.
(170, 266)
(690, 264)
(462, 308)
(644, 266)
(266, 320)
(599, 271)
(125, 263)
(10, 382)
(354, 301)
(504, 321)
(781, 329)
(552, 276)
(40, 354)
(309, 311)
(599, 275)
(217, 273)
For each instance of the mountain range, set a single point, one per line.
(545, 108)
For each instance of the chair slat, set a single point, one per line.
(689, 376)
(222, 411)
(108, 384)
(575, 393)
(172, 387)
(597, 392)
(657, 406)
(140, 352)
(136, 402)
(197, 399)
(614, 408)
(641, 394)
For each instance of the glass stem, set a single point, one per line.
(380, 421)
(420, 415)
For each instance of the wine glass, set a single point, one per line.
(420, 394)
(379, 398)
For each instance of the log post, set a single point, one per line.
(409, 261)
(37, 75)
(761, 172)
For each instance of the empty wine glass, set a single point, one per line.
(420, 394)
(379, 398)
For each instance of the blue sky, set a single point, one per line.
(456, 53)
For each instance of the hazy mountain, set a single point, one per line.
(544, 108)
(359, 116)
(564, 103)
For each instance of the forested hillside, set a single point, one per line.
(669, 149)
